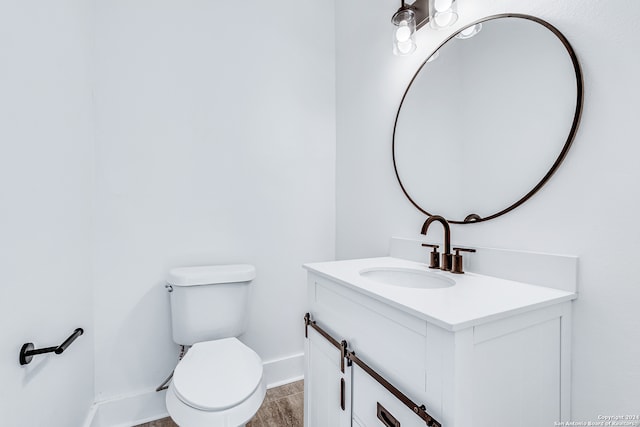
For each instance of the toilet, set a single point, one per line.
(219, 382)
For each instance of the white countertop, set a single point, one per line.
(473, 300)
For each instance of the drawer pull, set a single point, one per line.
(387, 419)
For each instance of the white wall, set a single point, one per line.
(215, 144)
(589, 208)
(46, 150)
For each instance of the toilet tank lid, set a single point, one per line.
(211, 274)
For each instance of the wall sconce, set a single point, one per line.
(404, 31)
(410, 18)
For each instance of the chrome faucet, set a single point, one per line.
(446, 256)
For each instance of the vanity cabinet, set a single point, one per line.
(512, 371)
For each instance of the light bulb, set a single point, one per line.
(442, 13)
(403, 33)
(442, 5)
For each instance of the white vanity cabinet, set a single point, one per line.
(509, 371)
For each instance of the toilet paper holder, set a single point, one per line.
(28, 350)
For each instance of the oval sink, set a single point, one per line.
(407, 277)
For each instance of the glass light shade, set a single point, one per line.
(442, 13)
(404, 32)
(469, 32)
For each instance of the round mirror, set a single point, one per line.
(487, 119)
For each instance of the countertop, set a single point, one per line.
(473, 300)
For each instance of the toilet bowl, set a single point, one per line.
(218, 383)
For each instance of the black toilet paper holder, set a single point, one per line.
(28, 350)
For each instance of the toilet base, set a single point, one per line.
(236, 416)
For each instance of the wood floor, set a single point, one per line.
(282, 407)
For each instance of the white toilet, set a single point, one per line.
(219, 381)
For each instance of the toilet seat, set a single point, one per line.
(187, 416)
(217, 375)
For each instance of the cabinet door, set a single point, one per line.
(326, 387)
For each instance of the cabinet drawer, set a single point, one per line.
(369, 396)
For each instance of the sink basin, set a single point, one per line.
(407, 277)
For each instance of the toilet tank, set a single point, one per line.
(209, 302)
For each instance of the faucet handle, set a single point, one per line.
(463, 250)
(457, 260)
(434, 261)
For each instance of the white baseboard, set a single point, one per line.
(284, 370)
(127, 411)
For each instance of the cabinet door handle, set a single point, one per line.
(342, 397)
(387, 419)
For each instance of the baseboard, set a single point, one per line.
(127, 411)
(131, 410)
(284, 370)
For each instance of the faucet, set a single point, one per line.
(446, 256)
